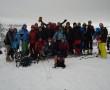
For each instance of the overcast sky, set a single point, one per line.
(56, 10)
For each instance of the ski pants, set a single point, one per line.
(102, 48)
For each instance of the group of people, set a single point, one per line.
(48, 40)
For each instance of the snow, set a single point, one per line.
(86, 74)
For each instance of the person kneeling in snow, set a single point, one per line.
(61, 54)
(59, 61)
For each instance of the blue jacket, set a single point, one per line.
(16, 41)
(97, 32)
(24, 35)
(59, 35)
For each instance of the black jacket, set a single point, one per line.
(76, 33)
(9, 38)
(104, 33)
(42, 34)
(90, 32)
(67, 32)
(49, 33)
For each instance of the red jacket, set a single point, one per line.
(39, 45)
(32, 36)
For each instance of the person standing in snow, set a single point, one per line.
(15, 43)
(76, 39)
(84, 38)
(24, 37)
(67, 31)
(102, 40)
(9, 38)
(32, 40)
(39, 48)
(90, 33)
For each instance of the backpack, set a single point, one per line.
(25, 62)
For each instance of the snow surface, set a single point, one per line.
(86, 74)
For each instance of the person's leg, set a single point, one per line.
(77, 47)
(91, 47)
(63, 63)
(32, 50)
(55, 61)
(87, 47)
(12, 54)
(103, 50)
(108, 46)
(8, 53)
(25, 47)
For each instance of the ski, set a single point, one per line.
(88, 56)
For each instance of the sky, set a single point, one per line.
(28, 11)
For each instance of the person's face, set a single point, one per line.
(49, 26)
(68, 24)
(11, 30)
(90, 23)
(15, 30)
(101, 25)
(36, 25)
(58, 24)
(74, 25)
(40, 29)
(79, 24)
(25, 26)
(32, 28)
(49, 40)
(84, 25)
(60, 28)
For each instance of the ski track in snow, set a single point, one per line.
(85, 74)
